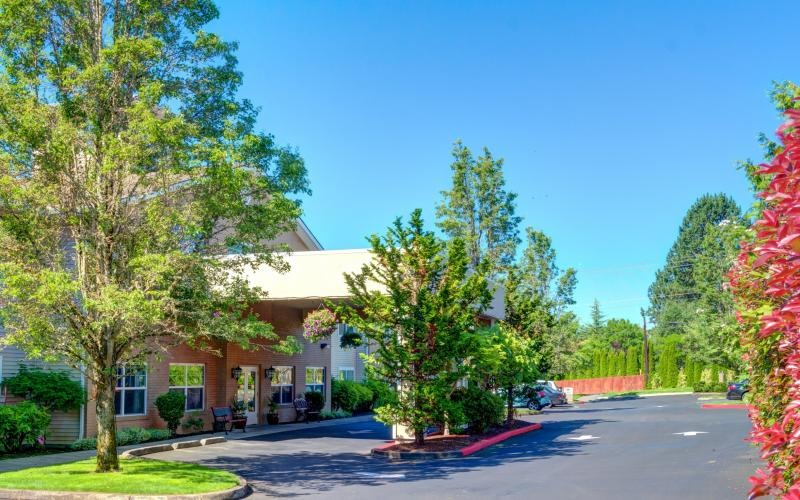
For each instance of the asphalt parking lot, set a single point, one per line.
(648, 448)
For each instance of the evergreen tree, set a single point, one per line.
(479, 210)
(632, 361)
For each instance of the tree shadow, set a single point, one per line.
(309, 472)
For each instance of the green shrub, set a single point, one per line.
(53, 390)
(23, 423)
(329, 415)
(126, 436)
(481, 409)
(194, 422)
(316, 400)
(171, 408)
(702, 386)
(382, 393)
(350, 396)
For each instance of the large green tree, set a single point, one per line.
(537, 295)
(479, 210)
(674, 291)
(418, 302)
(128, 167)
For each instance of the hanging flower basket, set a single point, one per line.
(319, 324)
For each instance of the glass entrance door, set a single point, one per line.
(247, 392)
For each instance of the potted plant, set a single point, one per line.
(272, 415)
(238, 408)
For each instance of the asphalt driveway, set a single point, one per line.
(664, 447)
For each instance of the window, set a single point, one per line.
(130, 397)
(315, 379)
(190, 380)
(283, 385)
(347, 373)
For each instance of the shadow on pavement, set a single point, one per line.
(308, 472)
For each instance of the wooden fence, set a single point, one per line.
(622, 383)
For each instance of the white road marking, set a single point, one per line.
(378, 475)
(362, 431)
(659, 406)
(689, 433)
(584, 437)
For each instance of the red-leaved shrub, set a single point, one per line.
(766, 285)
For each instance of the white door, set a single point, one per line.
(247, 391)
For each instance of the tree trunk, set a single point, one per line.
(107, 459)
(510, 404)
(419, 437)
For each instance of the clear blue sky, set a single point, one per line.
(612, 117)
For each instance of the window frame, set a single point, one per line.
(347, 369)
(273, 385)
(321, 385)
(186, 387)
(122, 389)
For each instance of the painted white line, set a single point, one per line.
(378, 475)
(689, 433)
(584, 437)
(659, 406)
(362, 431)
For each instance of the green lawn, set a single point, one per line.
(138, 476)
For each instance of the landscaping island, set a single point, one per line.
(454, 445)
(138, 476)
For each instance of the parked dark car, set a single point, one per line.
(531, 398)
(737, 390)
(557, 397)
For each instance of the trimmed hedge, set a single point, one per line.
(126, 436)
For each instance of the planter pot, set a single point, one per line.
(239, 415)
(272, 418)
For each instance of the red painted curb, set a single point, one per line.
(388, 444)
(712, 406)
(485, 443)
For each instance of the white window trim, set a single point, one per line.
(122, 389)
(272, 386)
(185, 386)
(346, 369)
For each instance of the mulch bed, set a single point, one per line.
(454, 442)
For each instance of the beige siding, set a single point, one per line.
(350, 357)
(65, 427)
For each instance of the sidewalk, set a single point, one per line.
(256, 430)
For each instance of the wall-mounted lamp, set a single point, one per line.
(269, 372)
(323, 345)
(236, 372)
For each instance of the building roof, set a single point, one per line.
(318, 275)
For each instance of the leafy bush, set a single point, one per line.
(329, 415)
(316, 400)
(481, 409)
(53, 390)
(350, 396)
(23, 423)
(194, 422)
(382, 393)
(126, 436)
(702, 386)
(170, 408)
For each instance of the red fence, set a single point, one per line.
(605, 384)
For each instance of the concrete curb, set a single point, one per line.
(383, 450)
(158, 448)
(240, 491)
(734, 406)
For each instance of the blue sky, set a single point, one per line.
(612, 117)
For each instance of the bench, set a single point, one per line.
(225, 421)
(303, 411)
